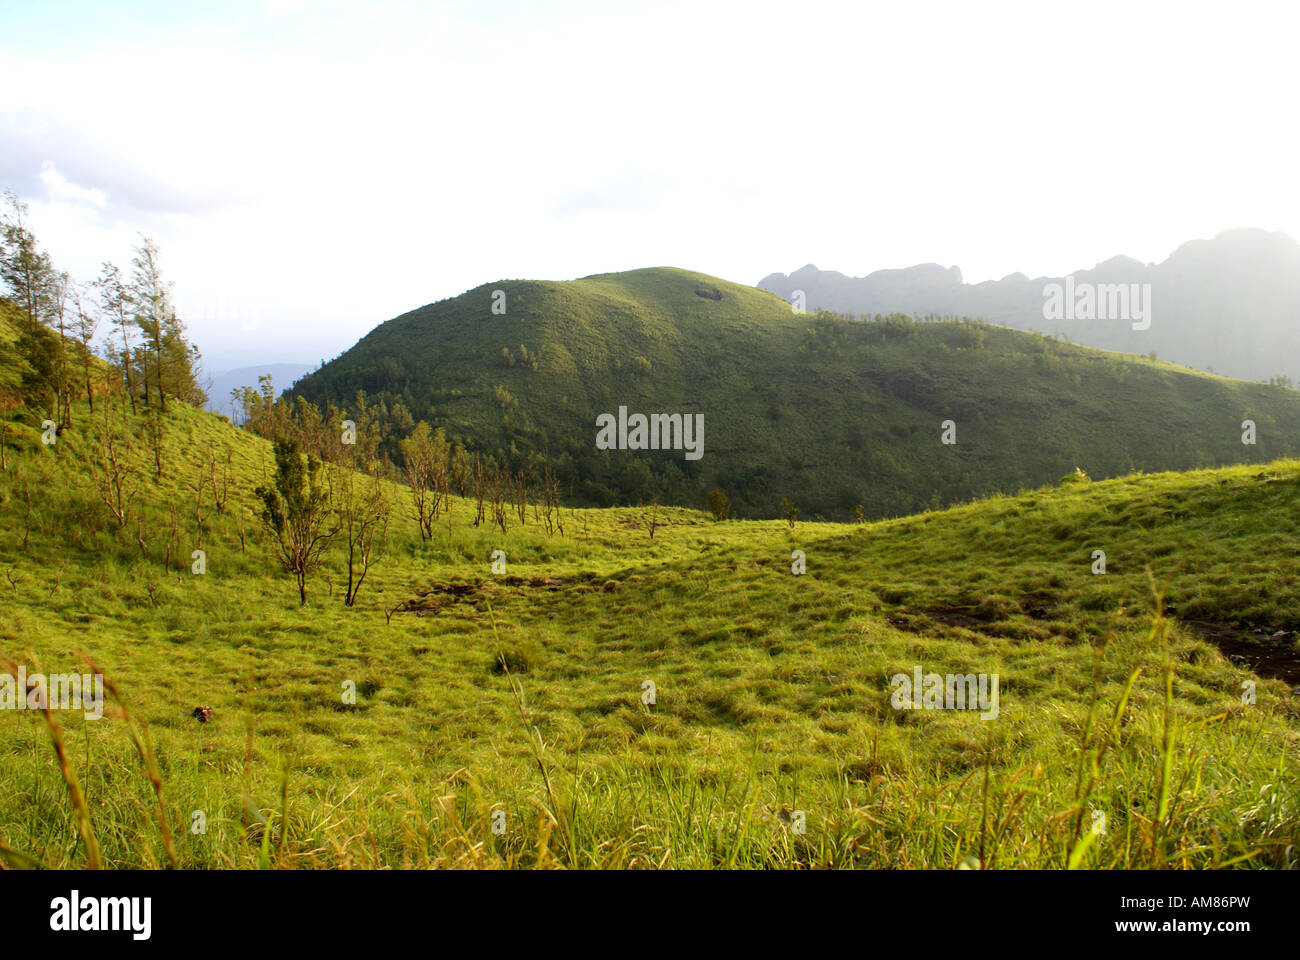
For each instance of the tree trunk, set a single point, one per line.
(349, 597)
(158, 375)
(126, 369)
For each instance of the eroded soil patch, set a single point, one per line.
(988, 621)
(437, 596)
(1269, 654)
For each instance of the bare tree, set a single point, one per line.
(520, 485)
(153, 427)
(425, 456)
(478, 480)
(652, 520)
(112, 469)
(86, 324)
(60, 287)
(552, 515)
(115, 301)
(363, 510)
(219, 493)
(500, 497)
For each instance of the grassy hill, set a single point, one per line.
(521, 693)
(828, 413)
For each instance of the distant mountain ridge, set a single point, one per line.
(283, 375)
(1230, 305)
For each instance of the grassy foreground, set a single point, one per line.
(499, 718)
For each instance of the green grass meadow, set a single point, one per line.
(500, 718)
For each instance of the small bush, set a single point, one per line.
(719, 504)
(790, 511)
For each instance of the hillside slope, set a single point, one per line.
(826, 413)
(773, 690)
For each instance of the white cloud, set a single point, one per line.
(332, 166)
(62, 191)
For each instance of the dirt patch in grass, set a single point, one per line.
(939, 622)
(436, 596)
(1268, 653)
(989, 619)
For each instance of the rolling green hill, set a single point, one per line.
(826, 412)
(521, 693)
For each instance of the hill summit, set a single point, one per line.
(812, 411)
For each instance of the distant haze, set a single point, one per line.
(1231, 304)
(282, 376)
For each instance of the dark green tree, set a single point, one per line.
(25, 269)
(169, 360)
(719, 504)
(296, 510)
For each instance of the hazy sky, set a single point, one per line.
(311, 169)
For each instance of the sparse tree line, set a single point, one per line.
(829, 332)
(311, 504)
(331, 474)
(119, 458)
(517, 473)
(58, 334)
(118, 343)
(312, 511)
(432, 467)
(51, 359)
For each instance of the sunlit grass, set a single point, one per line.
(772, 690)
